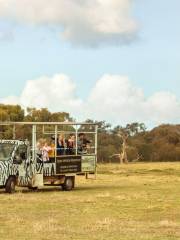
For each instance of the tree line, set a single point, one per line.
(159, 144)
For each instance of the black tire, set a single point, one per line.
(68, 184)
(10, 185)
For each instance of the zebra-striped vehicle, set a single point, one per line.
(16, 166)
(21, 163)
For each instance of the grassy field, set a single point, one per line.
(135, 201)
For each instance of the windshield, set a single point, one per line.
(6, 150)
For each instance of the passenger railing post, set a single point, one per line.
(55, 153)
(34, 142)
(96, 142)
(76, 140)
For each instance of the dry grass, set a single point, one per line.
(136, 201)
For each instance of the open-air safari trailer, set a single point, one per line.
(26, 162)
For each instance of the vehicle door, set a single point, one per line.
(22, 160)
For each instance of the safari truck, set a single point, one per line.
(22, 162)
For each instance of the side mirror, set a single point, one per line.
(23, 155)
(17, 159)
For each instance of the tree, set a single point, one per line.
(13, 113)
(123, 155)
(37, 115)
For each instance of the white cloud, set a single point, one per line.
(10, 100)
(83, 22)
(163, 107)
(55, 93)
(114, 99)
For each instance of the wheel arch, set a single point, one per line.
(11, 176)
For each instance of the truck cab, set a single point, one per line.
(15, 164)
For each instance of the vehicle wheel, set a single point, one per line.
(68, 184)
(10, 185)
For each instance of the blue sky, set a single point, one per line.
(151, 60)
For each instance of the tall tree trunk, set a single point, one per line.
(123, 155)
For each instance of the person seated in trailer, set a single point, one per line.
(70, 145)
(39, 149)
(51, 152)
(61, 145)
(45, 152)
(83, 144)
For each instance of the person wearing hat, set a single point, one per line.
(83, 144)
